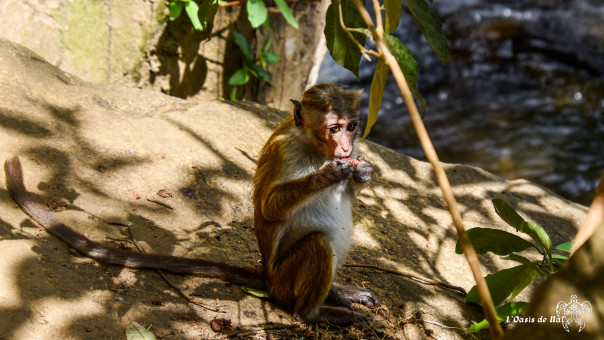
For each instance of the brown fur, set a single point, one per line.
(295, 167)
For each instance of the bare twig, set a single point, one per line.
(267, 327)
(165, 205)
(411, 276)
(441, 176)
(378, 18)
(229, 3)
(172, 284)
(361, 48)
(113, 239)
(119, 224)
(594, 218)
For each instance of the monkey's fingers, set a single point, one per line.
(363, 172)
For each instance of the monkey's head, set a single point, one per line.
(329, 115)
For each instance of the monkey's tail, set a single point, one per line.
(14, 183)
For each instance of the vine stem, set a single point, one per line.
(345, 29)
(411, 276)
(441, 176)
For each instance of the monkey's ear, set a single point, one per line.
(297, 112)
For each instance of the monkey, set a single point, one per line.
(304, 186)
(305, 182)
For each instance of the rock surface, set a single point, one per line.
(134, 43)
(116, 163)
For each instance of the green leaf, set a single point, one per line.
(175, 10)
(271, 58)
(407, 63)
(344, 51)
(526, 261)
(509, 309)
(287, 13)
(496, 241)
(256, 12)
(508, 214)
(564, 247)
(505, 283)
(261, 73)
(393, 10)
(240, 77)
(538, 234)
(511, 217)
(192, 11)
(256, 292)
(207, 12)
(134, 331)
(266, 46)
(430, 26)
(365, 31)
(244, 46)
(558, 260)
(380, 76)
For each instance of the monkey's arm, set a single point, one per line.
(283, 197)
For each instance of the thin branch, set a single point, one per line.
(441, 176)
(419, 321)
(350, 36)
(172, 284)
(378, 17)
(113, 239)
(411, 276)
(434, 323)
(267, 327)
(594, 218)
(165, 205)
(229, 3)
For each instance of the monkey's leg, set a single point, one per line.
(345, 295)
(301, 280)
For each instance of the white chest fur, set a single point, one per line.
(328, 212)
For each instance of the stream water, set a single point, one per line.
(522, 95)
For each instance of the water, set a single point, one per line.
(522, 96)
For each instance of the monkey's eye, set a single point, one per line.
(335, 128)
(351, 127)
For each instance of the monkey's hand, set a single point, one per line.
(336, 171)
(362, 171)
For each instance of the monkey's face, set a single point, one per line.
(338, 134)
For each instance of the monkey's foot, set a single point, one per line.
(345, 296)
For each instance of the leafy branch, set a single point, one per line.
(202, 16)
(252, 65)
(406, 82)
(506, 284)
